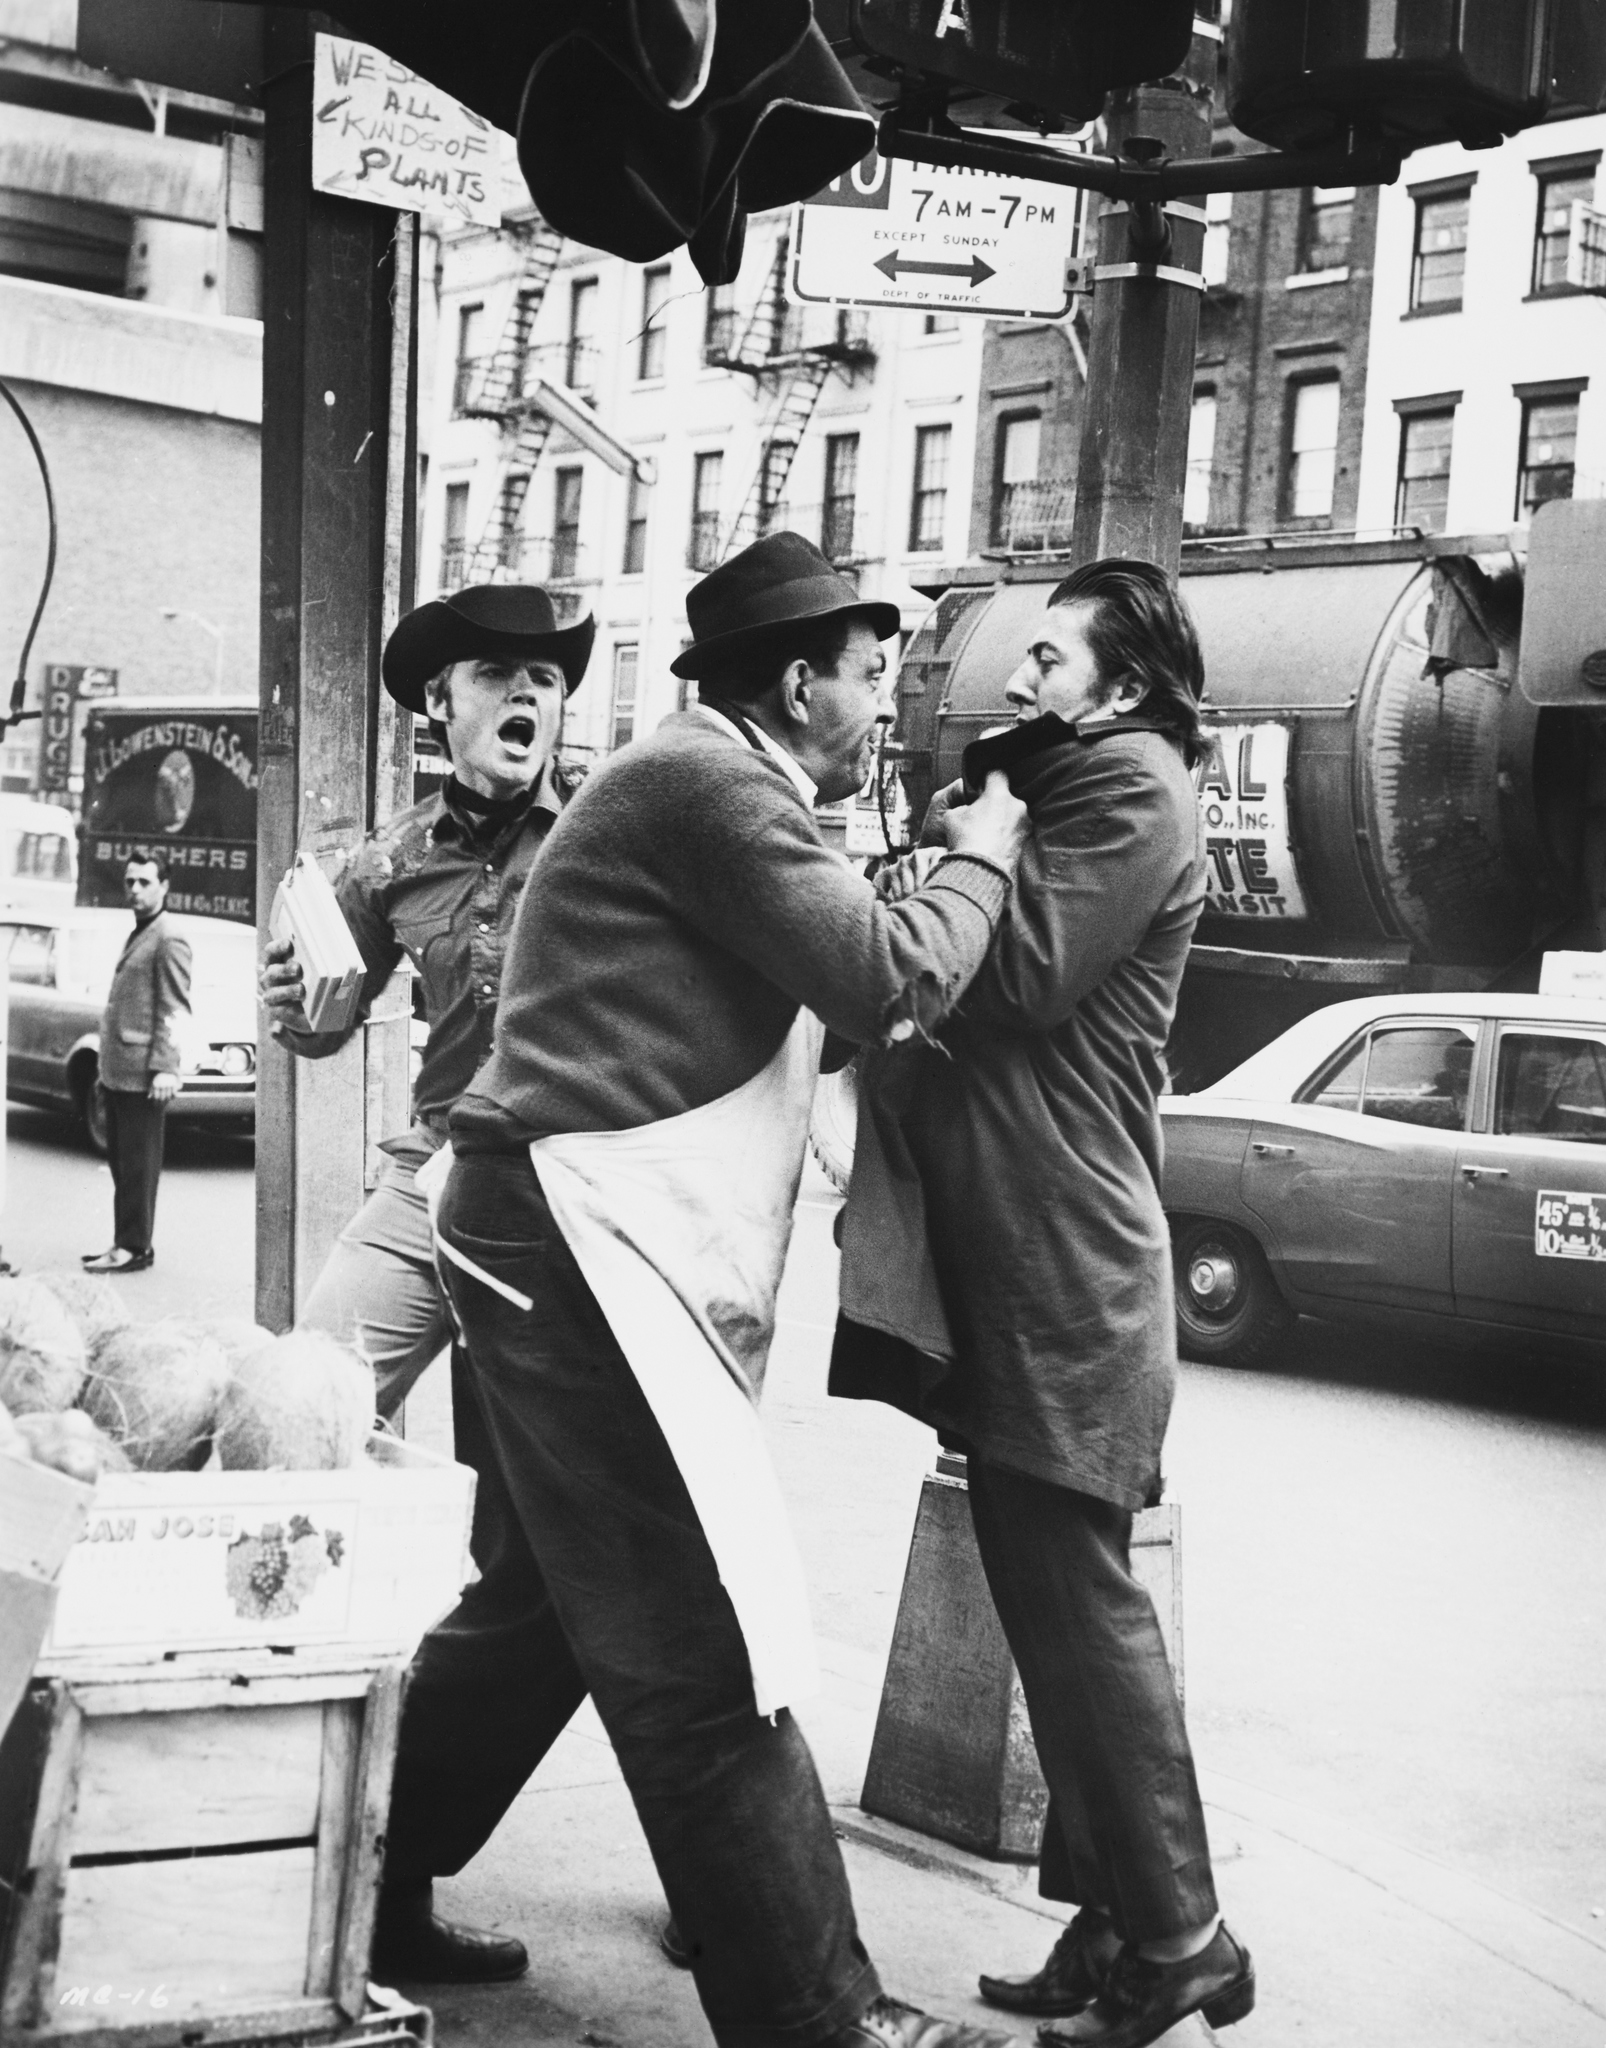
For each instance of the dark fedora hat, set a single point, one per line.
(781, 580)
(487, 621)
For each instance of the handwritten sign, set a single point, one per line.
(381, 133)
(1243, 795)
(1569, 1225)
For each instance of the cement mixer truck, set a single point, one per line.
(1405, 787)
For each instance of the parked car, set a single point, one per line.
(1434, 1163)
(60, 968)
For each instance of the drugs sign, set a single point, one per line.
(891, 233)
(1243, 796)
(381, 133)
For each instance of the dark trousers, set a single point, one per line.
(1125, 1829)
(135, 1130)
(597, 1577)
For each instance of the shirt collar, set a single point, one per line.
(805, 785)
(450, 824)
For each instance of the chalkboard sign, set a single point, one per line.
(183, 779)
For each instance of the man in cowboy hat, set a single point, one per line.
(615, 1221)
(439, 884)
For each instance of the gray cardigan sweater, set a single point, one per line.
(681, 911)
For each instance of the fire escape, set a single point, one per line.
(792, 376)
(499, 394)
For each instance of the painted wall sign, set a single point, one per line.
(1569, 1226)
(381, 133)
(186, 781)
(1243, 796)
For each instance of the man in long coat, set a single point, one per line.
(1007, 1277)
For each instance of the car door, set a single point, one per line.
(1530, 1185)
(31, 977)
(1353, 1181)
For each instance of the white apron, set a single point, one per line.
(681, 1230)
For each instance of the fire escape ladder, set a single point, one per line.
(499, 396)
(783, 432)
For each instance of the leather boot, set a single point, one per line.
(413, 1944)
(889, 2023)
(1141, 2000)
(1070, 1980)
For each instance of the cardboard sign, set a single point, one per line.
(1569, 1225)
(382, 134)
(1243, 795)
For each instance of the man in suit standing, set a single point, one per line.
(139, 1061)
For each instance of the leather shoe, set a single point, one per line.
(1069, 1981)
(889, 2023)
(117, 1261)
(1141, 2000)
(414, 1944)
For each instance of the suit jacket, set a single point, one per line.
(150, 987)
(1022, 1149)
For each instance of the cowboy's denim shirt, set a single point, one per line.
(436, 886)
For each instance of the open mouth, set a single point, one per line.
(517, 731)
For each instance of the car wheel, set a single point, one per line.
(92, 1113)
(1229, 1308)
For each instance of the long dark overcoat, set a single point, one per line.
(1022, 1150)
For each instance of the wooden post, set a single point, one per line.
(336, 558)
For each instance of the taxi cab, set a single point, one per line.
(1433, 1162)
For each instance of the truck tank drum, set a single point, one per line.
(1383, 808)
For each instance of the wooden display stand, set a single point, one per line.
(190, 1851)
(953, 1754)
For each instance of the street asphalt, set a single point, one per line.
(1395, 1602)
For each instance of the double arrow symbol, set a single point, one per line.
(977, 271)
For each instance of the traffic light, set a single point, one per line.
(1044, 63)
(1304, 74)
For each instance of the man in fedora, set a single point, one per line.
(614, 1224)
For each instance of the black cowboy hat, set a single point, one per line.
(486, 621)
(780, 580)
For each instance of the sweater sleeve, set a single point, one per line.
(755, 876)
(1108, 847)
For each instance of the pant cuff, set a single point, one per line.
(840, 2013)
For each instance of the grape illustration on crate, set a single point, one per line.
(272, 1572)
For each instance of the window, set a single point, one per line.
(625, 663)
(1326, 219)
(1201, 460)
(470, 319)
(1018, 448)
(1553, 230)
(841, 493)
(929, 505)
(454, 543)
(1422, 491)
(635, 560)
(509, 523)
(775, 466)
(580, 350)
(1410, 1074)
(567, 485)
(686, 695)
(1545, 457)
(1551, 1088)
(43, 855)
(785, 319)
(941, 323)
(524, 342)
(1439, 260)
(1217, 236)
(33, 955)
(1312, 448)
(707, 475)
(719, 323)
(653, 341)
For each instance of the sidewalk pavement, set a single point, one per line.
(1356, 1940)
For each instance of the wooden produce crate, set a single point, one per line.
(222, 1560)
(42, 1515)
(190, 1852)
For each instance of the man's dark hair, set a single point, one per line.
(153, 857)
(746, 674)
(1140, 631)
